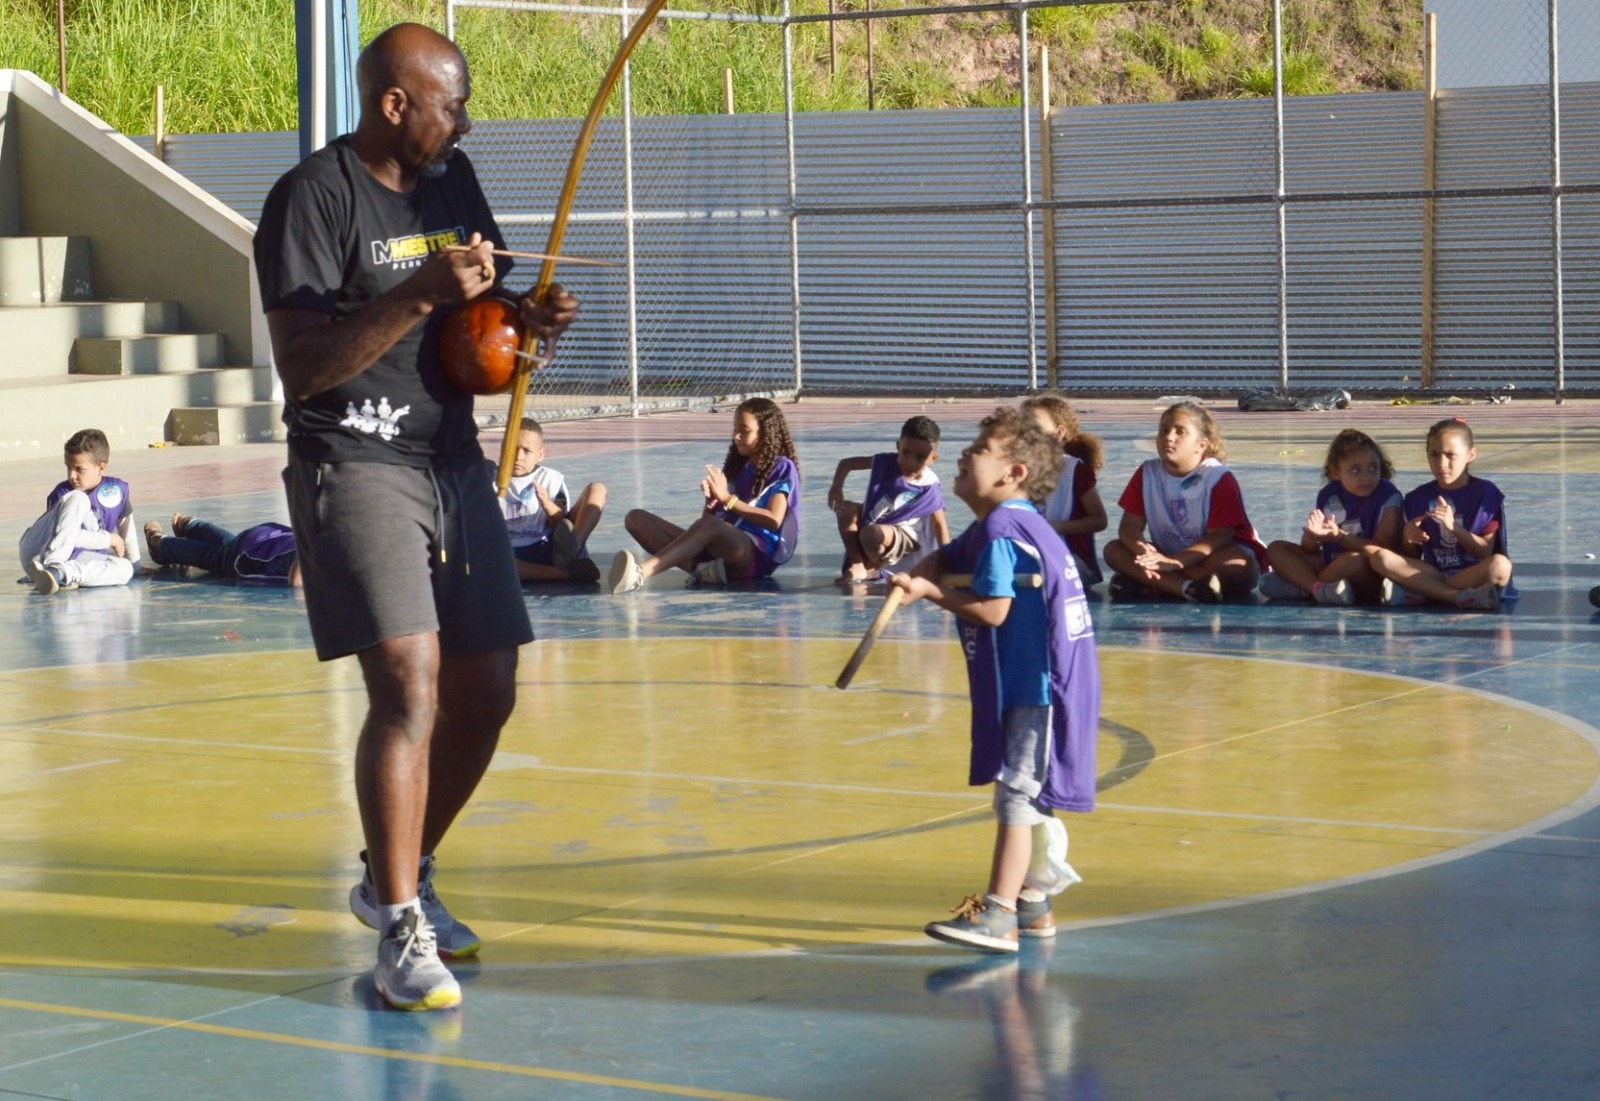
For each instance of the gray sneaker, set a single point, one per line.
(47, 580)
(976, 925)
(1338, 593)
(1035, 919)
(625, 576)
(1485, 598)
(455, 940)
(1274, 586)
(1395, 596)
(409, 974)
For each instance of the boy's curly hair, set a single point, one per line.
(1020, 440)
(1078, 444)
(1347, 443)
(772, 440)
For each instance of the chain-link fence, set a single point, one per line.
(1424, 240)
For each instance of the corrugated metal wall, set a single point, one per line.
(1155, 296)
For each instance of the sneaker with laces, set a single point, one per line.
(1484, 598)
(1395, 596)
(1204, 591)
(713, 572)
(1035, 919)
(1338, 593)
(625, 576)
(47, 580)
(409, 974)
(455, 940)
(1274, 586)
(563, 545)
(976, 924)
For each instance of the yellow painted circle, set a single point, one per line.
(676, 796)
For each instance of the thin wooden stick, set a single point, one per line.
(893, 600)
(558, 259)
(879, 622)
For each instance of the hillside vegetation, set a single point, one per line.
(229, 64)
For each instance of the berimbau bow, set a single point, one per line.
(529, 360)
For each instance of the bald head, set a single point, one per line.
(407, 56)
(414, 91)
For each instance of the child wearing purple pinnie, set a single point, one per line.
(85, 534)
(1032, 671)
(264, 553)
(1453, 544)
(901, 517)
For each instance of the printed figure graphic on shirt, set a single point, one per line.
(1202, 545)
(749, 522)
(900, 519)
(549, 535)
(1074, 507)
(1453, 544)
(84, 537)
(1357, 510)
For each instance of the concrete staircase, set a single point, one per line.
(123, 366)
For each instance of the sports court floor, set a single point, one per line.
(1340, 853)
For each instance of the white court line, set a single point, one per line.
(897, 732)
(72, 768)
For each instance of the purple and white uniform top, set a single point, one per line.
(1043, 654)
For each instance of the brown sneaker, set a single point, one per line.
(152, 541)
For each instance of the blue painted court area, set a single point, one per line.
(1339, 853)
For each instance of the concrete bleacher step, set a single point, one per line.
(150, 353)
(36, 270)
(203, 426)
(38, 339)
(136, 409)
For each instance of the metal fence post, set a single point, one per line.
(1558, 305)
(794, 218)
(1430, 178)
(1283, 224)
(1047, 190)
(1027, 198)
(628, 224)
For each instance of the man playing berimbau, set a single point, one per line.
(361, 251)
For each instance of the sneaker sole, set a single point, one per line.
(1039, 933)
(971, 940)
(443, 998)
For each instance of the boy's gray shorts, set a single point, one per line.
(1027, 756)
(387, 551)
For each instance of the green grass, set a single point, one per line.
(229, 64)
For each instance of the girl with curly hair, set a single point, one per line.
(751, 520)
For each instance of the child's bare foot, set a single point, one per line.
(855, 575)
(152, 540)
(180, 524)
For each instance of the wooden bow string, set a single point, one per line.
(529, 359)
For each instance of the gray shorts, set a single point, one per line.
(387, 551)
(1027, 756)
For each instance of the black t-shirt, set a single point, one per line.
(333, 239)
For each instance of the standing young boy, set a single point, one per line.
(85, 536)
(547, 537)
(902, 514)
(1032, 671)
